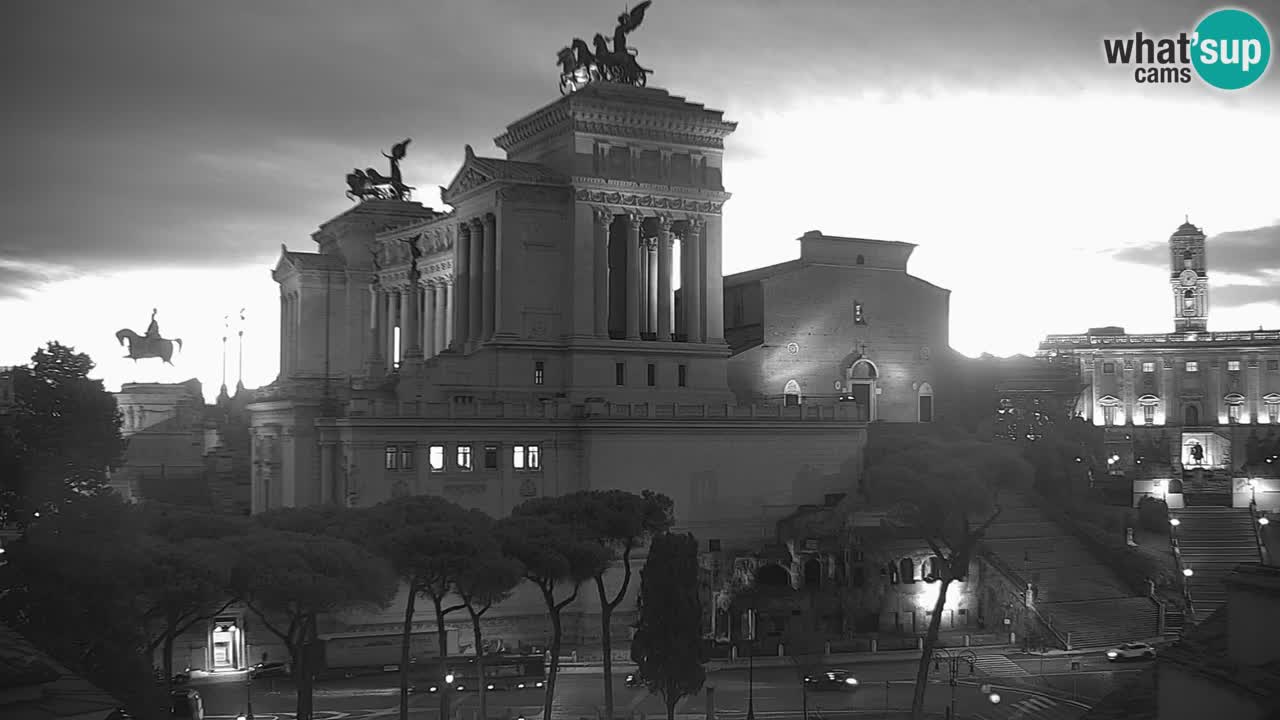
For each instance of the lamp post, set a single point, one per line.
(751, 664)
(953, 661)
(448, 689)
(248, 694)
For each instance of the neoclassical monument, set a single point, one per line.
(566, 325)
(1192, 398)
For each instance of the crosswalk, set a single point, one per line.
(999, 666)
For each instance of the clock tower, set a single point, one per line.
(1189, 279)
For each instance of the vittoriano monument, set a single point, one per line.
(150, 345)
(370, 184)
(580, 66)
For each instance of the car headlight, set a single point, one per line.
(850, 681)
(1112, 653)
(433, 689)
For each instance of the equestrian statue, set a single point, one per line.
(151, 345)
(580, 64)
(370, 184)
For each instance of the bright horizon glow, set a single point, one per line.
(1014, 200)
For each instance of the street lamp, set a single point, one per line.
(248, 694)
(751, 664)
(448, 688)
(953, 661)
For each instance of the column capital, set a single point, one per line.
(476, 223)
(692, 228)
(603, 216)
(633, 220)
(665, 222)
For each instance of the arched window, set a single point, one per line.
(1149, 403)
(1235, 407)
(1186, 258)
(773, 576)
(924, 403)
(812, 574)
(1189, 300)
(863, 370)
(861, 260)
(1272, 402)
(1191, 415)
(791, 393)
(1111, 412)
(907, 570)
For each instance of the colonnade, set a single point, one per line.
(474, 315)
(647, 278)
(422, 313)
(290, 330)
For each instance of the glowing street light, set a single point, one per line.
(1175, 522)
(1264, 521)
(1188, 572)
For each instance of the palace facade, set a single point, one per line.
(567, 326)
(1191, 399)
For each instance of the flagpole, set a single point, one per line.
(226, 324)
(240, 352)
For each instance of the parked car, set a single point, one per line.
(1131, 651)
(270, 670)
(831, 679)
(634, 680)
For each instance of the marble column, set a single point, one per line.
(284, 334)
(440, 309)
(691, 257)
(489, 287)
(603, 219)
(665, 304)
(429, 320)
(408, 318)
(633, 276)
(450, 302)
(645, 279)
(713, 281)
(375, 327)
(651, 284)
(475, 280)
(462, 293)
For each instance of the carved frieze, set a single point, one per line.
(664, 134)
(535, 194)
(649, 201)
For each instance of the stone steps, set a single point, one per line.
(1104, 623)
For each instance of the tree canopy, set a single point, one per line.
(667, 646)
(65, 434)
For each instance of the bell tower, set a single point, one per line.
(1189, 279)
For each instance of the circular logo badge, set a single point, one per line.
(1231, 49)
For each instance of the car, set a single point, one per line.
(831, 679)
(634, 680)
(270, 670)
(1131, 651)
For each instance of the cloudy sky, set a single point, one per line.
(160, 152)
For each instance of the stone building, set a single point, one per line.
(164, 426)
(1193, 398)
(564, 326)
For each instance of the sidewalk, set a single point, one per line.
(774, 661)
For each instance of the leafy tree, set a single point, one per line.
(667, 645)
(64, 438)
(491, 578)
(619, 521)
(186, 563)
(552, 556)
(946, 493)
(430, 543)
(69, 586)
(289, 578)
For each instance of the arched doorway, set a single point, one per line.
(791, 394)
(862, 376)
(774, 576)
(1191, 415)
(812, 574)
(924, 403)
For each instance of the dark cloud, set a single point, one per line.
(1238, 295)
(146, 133)
(16, 279)
(1255, 253)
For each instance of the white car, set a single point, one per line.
(1131, 651)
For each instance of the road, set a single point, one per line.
(776, 693)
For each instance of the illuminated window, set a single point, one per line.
(539, 370)
(1109, 368)
(406, 457)
(1109, 414)
(435, 457)
(1233, 414)
(1192, 366)
(490, 457)
(1148, 367)
(858, 317)
(390, 456)
(1149, 414)
(463, 458)
(1273, 412)
(1233, 366)
(526, 457)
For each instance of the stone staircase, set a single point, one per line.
(1076, 591)
(1213, 541)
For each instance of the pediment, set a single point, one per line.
(1108, 400)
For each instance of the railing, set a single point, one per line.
(1017, 580)
(1271, 336)
(592, 410)
(1177, 561)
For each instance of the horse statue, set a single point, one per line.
(577, 66)
(150, 345)
(619, 67)
(369, 183)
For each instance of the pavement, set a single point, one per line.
(1030, 686)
